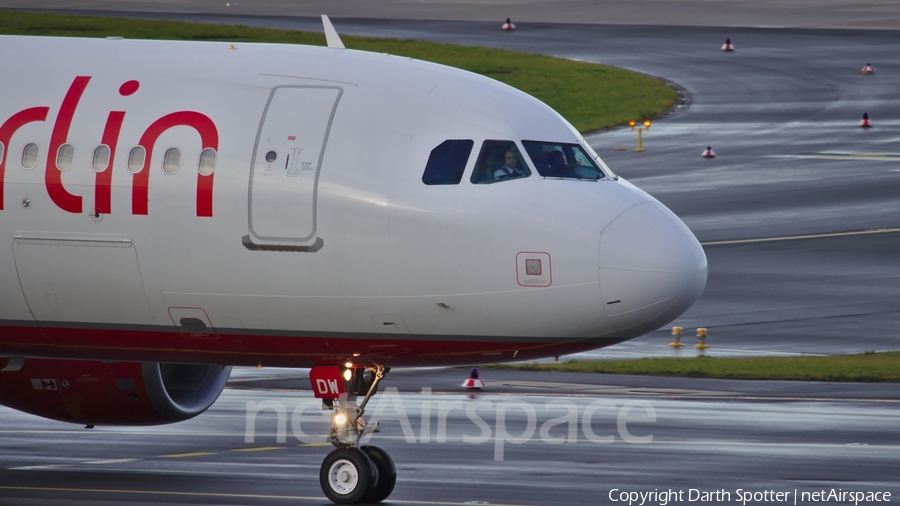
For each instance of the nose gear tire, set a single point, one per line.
(387, 473)
(347, 476)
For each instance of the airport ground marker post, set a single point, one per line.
(632, 124)
(701, 337)
(676, 336)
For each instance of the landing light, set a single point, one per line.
(340, 419)
(347, 374)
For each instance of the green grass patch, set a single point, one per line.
(865, 367)
(590, 96)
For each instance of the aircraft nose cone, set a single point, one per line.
(652, 269)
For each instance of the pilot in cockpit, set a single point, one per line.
(510, 168)
(556, 164)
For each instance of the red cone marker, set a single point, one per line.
(473, 383)
(864, 123)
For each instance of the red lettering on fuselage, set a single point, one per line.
(103, 180)
(10, 126)
(66, 201)
(209, 138)
(53, 177)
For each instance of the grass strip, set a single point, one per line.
(590, 96)
(865, 367)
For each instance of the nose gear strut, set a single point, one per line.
(348, 424)
(352, 473)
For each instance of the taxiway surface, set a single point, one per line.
(502, 447)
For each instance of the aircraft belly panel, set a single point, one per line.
(81, 278)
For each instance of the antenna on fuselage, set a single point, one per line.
(331, 36)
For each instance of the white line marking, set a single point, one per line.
(844, 156)
(799, 237)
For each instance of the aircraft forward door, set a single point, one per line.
(284, 173)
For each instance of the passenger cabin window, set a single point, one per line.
(207, 161)
(100, 160)
(136, 159)
(568, 161)
(447, 162)
(172, 161)
(29, 156)
(65, 156)
(499, 161)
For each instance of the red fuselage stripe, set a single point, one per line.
(233, 348)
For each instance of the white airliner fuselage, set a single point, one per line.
(169, 209)
(336, 241)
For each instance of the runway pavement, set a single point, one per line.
(716, 435)
(781, 112)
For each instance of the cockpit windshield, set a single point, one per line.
(558, 160)
(599, 161)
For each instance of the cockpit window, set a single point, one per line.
(599, 161)
(447, 162)
(558, 160)
(499, 161)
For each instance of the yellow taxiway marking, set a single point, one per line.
(210, 494)
(260, 449)
(799, 237)
(180, 455)
(316, 444)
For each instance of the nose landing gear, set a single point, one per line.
(351, 473)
